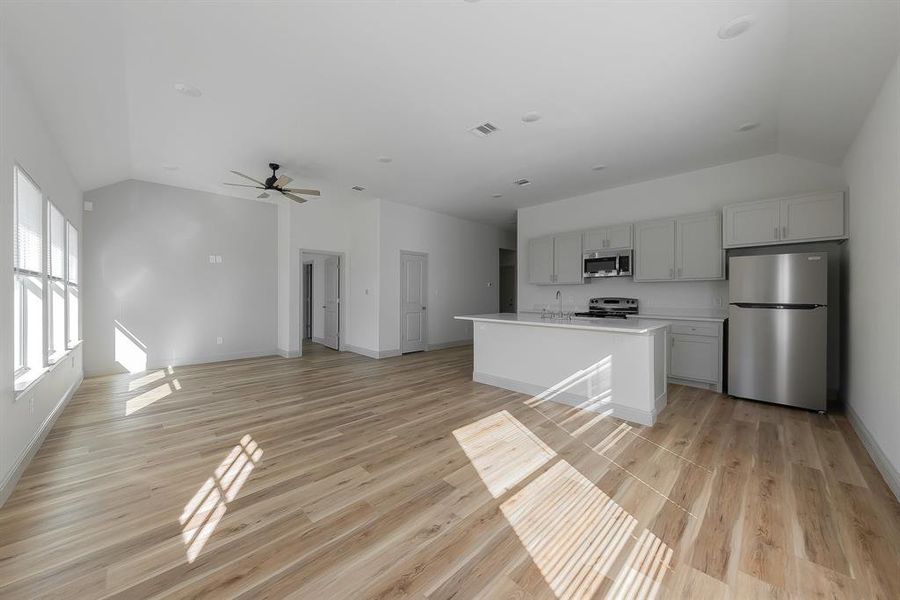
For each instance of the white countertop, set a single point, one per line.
(636, 326)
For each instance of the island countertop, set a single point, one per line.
(634, 326)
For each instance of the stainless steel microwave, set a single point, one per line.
(607, 264)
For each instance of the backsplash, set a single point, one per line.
(674, 294)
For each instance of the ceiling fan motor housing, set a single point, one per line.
(270, 182)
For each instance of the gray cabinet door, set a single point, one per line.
(654, 250)
(619, 237)
(594, 240)
(752, 223)
(568, 264)
(698, 248)
(694, 357)
(813, 217)
(540, 260)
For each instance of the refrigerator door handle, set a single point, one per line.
(778, 306)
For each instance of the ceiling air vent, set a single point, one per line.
(485, 129)
(521, 182)
(357, 188)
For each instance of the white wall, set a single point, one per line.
(697, 191)
(872, 168)
(146, 266)
(340, 224)
(463, 257)
(25, 140)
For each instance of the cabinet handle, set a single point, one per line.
(776, 233)
(784, 232)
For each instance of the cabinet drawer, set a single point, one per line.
(704, 329)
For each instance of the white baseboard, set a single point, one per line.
(372, 353)
(12, 478)
(627, 413)
(453, 344)
(887, 470)
(287, 353)
(318, 340)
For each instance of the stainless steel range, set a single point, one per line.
(611, 308)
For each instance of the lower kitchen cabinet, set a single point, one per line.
(696, 354)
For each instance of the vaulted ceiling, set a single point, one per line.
(326, 88)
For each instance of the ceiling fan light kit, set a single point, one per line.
(275, 183)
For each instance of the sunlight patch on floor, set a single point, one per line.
(206, 508)
(644, 570)
(502, 450)
(571, 529)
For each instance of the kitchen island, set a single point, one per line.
(609, 366)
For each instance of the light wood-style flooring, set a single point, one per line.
(338, 476)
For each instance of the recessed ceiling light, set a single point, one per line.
(521, 182)
(531, 117)
(496, 195)
(357, 188)
(170, 167)
(385, 159)
(188, 90)
(748, 126)
(598, 167)
(736, 27)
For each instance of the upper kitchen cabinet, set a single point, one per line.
(654, 252)
(618, 237)
(813, 217)
(698, 247)
(555, 259)
(684, 248)
(540, 260)
(810, 217)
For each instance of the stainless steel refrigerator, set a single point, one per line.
(777, 323)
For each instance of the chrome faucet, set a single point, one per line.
(559, 299)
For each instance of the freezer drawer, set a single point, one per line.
(778, 355)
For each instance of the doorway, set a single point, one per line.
(507, 291)
(307, 300)
(413, 302)
(321, 287)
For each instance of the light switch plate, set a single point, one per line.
(212, 259)
(218, 258)
(218, 340)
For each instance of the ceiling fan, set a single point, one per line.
(275, 183)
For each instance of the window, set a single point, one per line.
(56, 281)
(72, 297)
(28, 273)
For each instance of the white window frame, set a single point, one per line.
(21, 277)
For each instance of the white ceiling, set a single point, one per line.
(646, 88)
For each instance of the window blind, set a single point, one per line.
(29, 212)
(73, 254)
(57, 230)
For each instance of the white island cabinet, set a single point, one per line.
(608, 366)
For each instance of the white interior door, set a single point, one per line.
(332, 304)
(413, 302)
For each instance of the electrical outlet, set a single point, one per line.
(88, 205)
(218, 340)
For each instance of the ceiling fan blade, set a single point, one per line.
(293, 197)
(263, 195)
(256, 181)
(304, 192)
(258, 187)
(282, 181)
